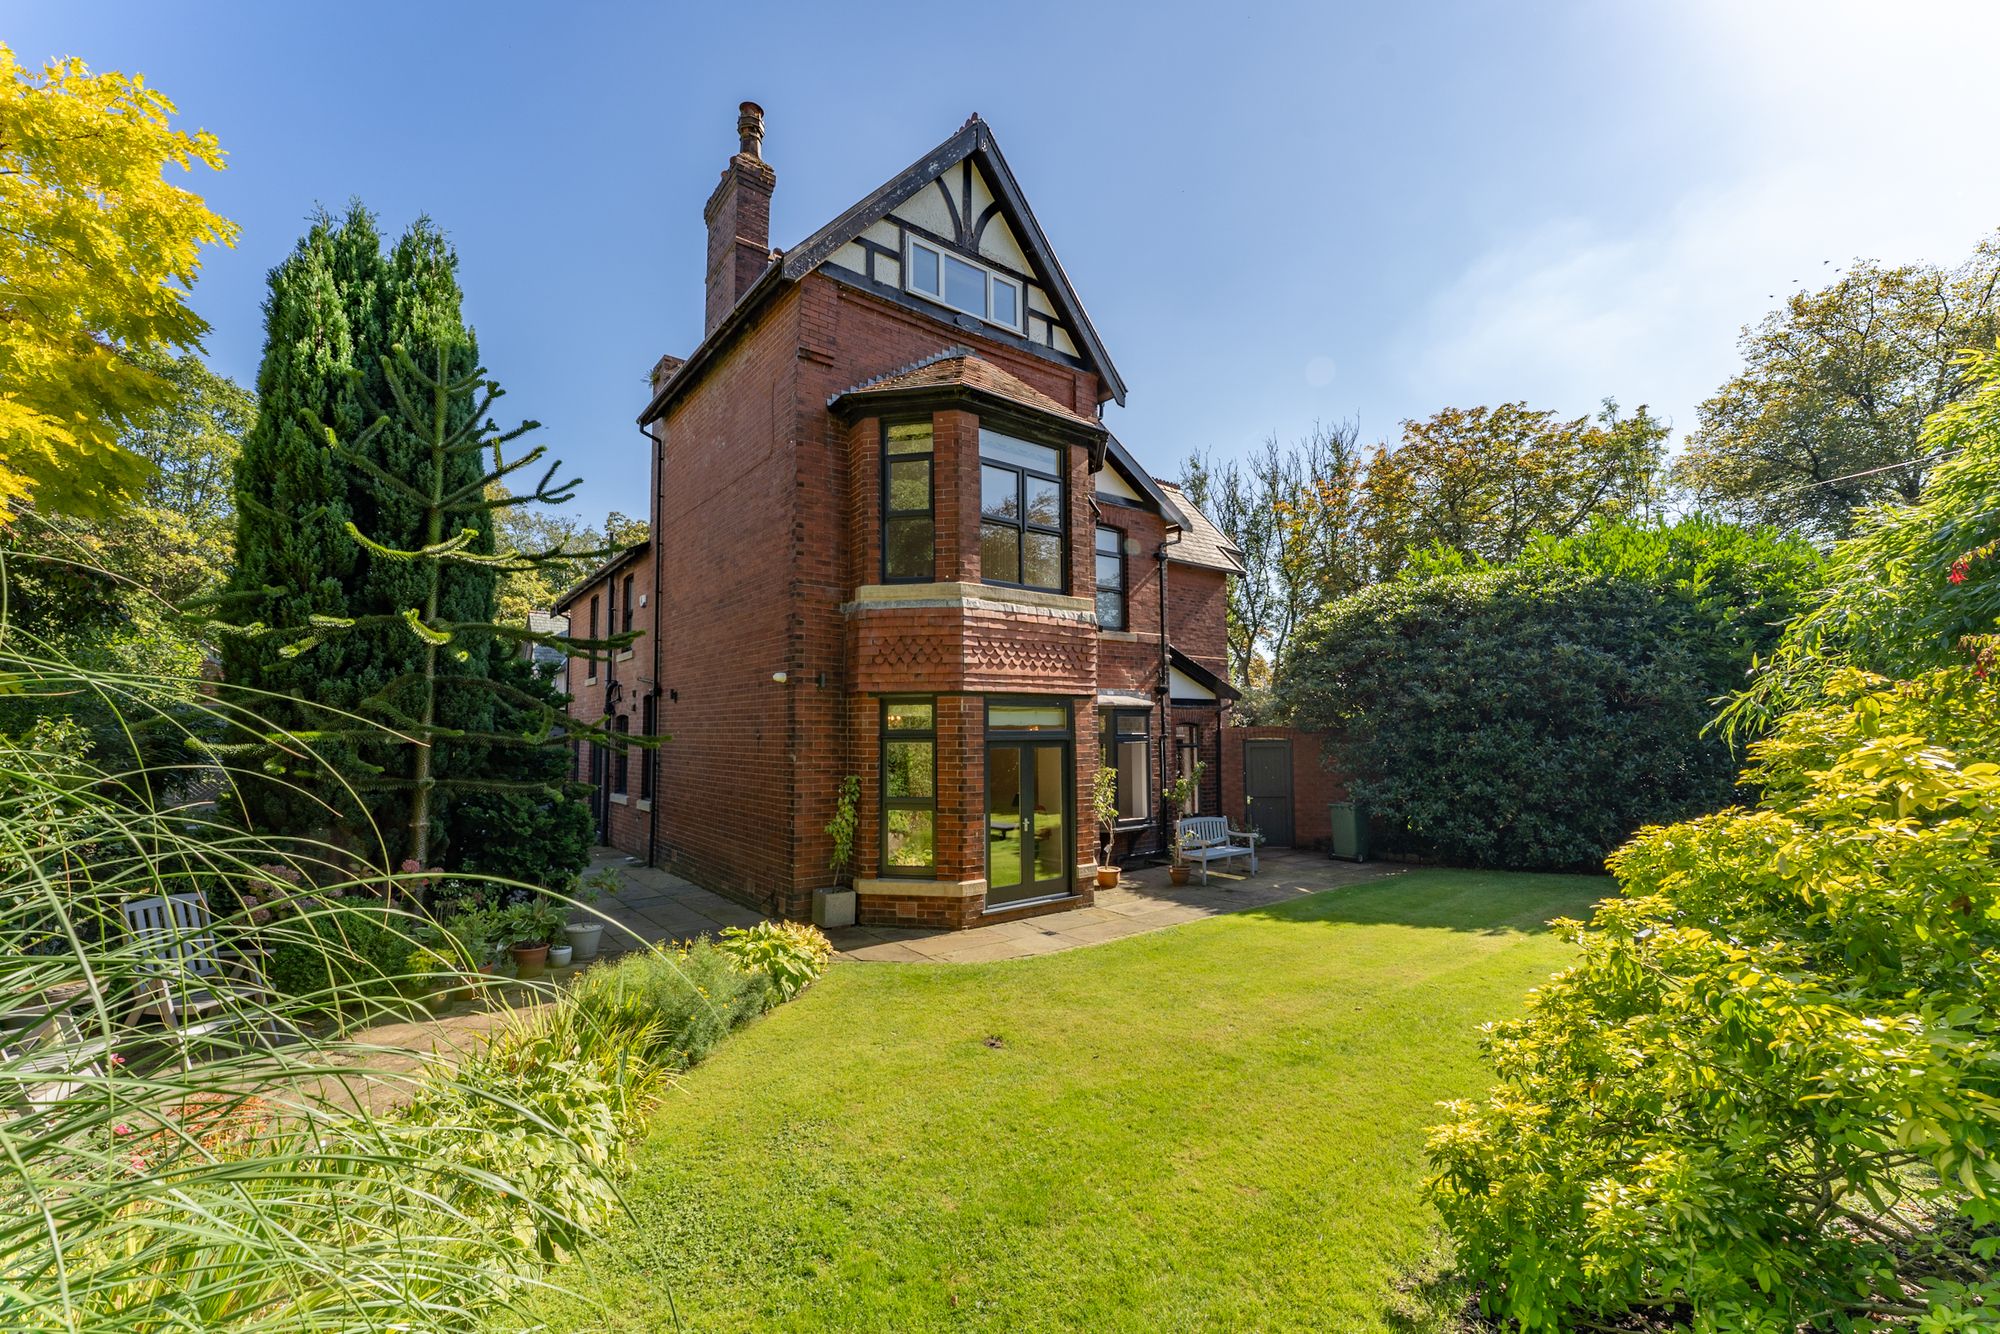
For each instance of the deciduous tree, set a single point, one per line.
(1483, 481)
(108, 594)
(1827, 413)
(1294, 512)
(97, 250)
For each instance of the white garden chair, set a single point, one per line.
(186, 977)
(49, 1063)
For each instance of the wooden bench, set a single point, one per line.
(1208, 838)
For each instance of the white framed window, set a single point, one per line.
(933, 272)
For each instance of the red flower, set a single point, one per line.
(1959, 569)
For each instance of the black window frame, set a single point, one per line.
(1117, 552)
(649, 713)
(1113, 736)
(927, 736)
(621, 755)
(593, 622)
(1187, 753)
(928, 513)
(625, 606)
(1021, 526)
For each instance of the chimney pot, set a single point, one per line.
(738, 215)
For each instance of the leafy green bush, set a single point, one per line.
(1536, 715)
(525, 1138)
(358, 954)
(538, 838)
(1769, 1090)
(791, 955)
(673, 1004)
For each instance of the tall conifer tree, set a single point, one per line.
(372, 447)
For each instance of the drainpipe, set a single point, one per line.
(1164, 692)
(653, 536)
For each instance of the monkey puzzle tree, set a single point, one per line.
(366, 613)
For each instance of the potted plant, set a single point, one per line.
(477, 931)
(587, 935)
(837, 906)
(530, 927)
(1181, 794)
(437, 976)
(1104, 800)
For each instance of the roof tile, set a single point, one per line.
(957, 366)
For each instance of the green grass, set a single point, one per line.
(1218, 1126)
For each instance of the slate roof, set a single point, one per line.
(958, 368)
(1202, 543)
(610, 566)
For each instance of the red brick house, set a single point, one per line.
(894, 540)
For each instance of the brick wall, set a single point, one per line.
(1198, 615)
(603, 691)
(727, 510)
(1313, 785)
(768, 515)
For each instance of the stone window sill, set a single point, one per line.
(618, 799)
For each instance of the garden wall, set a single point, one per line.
(1313, 785)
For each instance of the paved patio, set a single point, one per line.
(659, 906)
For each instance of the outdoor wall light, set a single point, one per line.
(780, 677)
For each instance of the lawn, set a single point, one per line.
(1215, 1126)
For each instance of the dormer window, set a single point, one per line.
(962, 285)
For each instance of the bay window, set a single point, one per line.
(909, 786)
(1022, 500)
(908, 523)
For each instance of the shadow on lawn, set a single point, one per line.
(1487, 903)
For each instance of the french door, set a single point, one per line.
(1028, 843)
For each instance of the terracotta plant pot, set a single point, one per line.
(530, 960)
(1107, 877)
(1179, 875)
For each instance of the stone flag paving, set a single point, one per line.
(657, 906)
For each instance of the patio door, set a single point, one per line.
(1029, 845)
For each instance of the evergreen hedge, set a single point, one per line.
(1535, 715)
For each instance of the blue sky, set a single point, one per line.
(1275, 214)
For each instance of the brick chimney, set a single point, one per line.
(739, 219)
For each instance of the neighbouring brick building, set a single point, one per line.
(894, 540)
